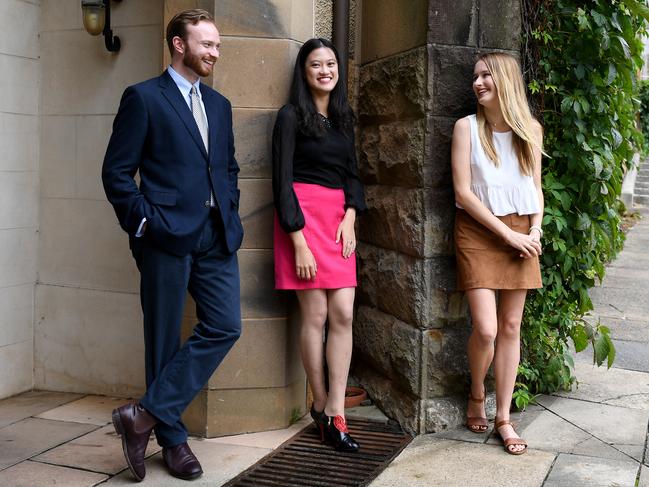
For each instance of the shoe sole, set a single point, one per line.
(119, 429)
(186, 477)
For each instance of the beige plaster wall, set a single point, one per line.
(19, 129)
(88, 324)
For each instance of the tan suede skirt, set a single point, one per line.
(485, 261)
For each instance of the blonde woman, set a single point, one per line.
(496, 159)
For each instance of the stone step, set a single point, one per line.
(640, 199)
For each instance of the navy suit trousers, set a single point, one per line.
(175, 373)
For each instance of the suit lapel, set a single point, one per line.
(213, 122)
(171, 92)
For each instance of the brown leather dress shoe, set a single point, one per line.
(134, 424)
(181, 462)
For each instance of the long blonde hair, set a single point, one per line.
(506, 74)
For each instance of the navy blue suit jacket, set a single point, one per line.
(154, 133)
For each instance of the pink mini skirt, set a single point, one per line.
(323, 209)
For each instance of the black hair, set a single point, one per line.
(339, 112)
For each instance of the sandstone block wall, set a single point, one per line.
(261, 383)
(415, 81)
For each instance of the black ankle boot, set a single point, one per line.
(338, 435)
(320, 420)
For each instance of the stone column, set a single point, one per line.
(410, 334)
(261, 383)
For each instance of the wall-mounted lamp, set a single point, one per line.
(96, 20)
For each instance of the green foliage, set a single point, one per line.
(581, 63)
(643, 97)
(296, 415)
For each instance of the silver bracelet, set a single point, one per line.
(536, 227)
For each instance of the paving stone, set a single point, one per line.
(577, 471)
(220, 463)
(32, 436)
(30, 474)
(462, 433)
(621, 280)
(627, 329)
(631, 355)
(617, 387)
(99, 451)
(549, 432)
(622, 428)
(265, 439)
(644, 477)
(623, 303)
(430, 461)
(90, 409)
(31, 403)
(625, 272)
(369, 413)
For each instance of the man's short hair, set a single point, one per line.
(177, 26)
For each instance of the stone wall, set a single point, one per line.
(88, 323)
(20, 67)
(415, 81)
(261, 383)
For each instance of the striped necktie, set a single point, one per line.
(199, 116)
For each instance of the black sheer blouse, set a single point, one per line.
(329, 161)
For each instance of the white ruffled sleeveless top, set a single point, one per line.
(503, 190)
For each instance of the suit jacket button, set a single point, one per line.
(207, 203)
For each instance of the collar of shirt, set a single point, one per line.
(185, 86)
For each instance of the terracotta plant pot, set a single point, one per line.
(354, 396)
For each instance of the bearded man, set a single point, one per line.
(184, 231)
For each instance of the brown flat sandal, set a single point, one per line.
(510, 441)
(477, 424)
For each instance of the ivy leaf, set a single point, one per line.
(569, 360)
(612, 74)
(579, 338)
(576, 106)
(606, 41)
(583, 222)
(566, 103)
(580, 71)
(637, 8)
(617, 138)
(598, 164)
(625, 45)
(599, 19)
(601, 349)
(582, 20)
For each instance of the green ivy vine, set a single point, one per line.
(581, 60)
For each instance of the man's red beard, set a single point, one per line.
(195, 63)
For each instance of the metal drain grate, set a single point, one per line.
(304, 461)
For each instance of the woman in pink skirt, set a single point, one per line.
(317, 194)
